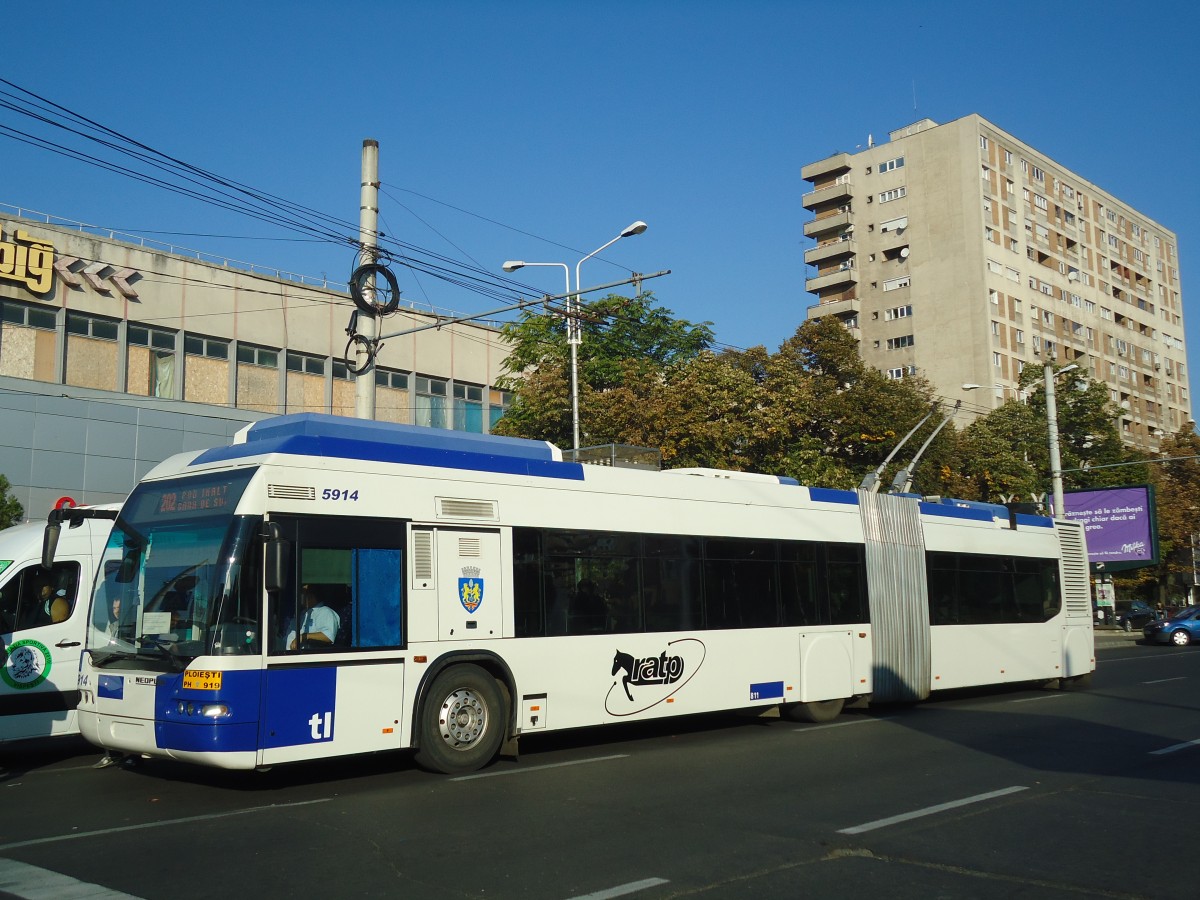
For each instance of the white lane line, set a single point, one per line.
(622, 889)
(1044, 697)
(931, 810)
(844, 724)
(1165, 680)
(161, 824)
(19, 879)
(523, 769)
(1174, 748)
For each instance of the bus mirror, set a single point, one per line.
(277, 557)
(50, 543)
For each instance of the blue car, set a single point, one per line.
(1181, 629)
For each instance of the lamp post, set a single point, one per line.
(574, 334)
(1048, 377)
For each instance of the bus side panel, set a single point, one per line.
(826, 666)
(971, 655)
(1079, 650)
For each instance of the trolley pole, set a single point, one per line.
(368, 235)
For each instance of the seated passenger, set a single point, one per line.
(318, 623)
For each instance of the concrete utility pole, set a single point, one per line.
(368, 236)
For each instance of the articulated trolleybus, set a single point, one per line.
(328, 586)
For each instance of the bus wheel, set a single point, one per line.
(462, 721)
(817, 711)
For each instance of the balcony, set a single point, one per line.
(837, 221)
(846, 310)
(837, 163)
(841, 278)
(830, 251)
(823, 196)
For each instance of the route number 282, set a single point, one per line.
(339, 494)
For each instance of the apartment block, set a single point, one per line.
(961, 253)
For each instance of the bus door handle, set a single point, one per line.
(67, 644)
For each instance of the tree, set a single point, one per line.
(622, 338)
(11, 510)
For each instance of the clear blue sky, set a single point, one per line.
(540, 129)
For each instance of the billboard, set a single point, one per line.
(1119, 523)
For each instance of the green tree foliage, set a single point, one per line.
(11, 510)
(622, 337)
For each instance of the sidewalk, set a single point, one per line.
(1112, 636)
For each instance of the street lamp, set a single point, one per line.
(574, 334)
(1048, 376)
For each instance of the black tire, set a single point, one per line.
(1127, 625)
(1180, 638)
(462, 722)
(816, 712)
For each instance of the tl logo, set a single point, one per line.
(470, 588)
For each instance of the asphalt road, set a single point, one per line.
(1015, 793)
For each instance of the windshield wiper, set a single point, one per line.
(178, 664)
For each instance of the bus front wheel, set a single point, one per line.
(817, 711)
(462, 721)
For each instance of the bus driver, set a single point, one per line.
(318, 623)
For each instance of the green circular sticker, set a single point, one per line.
(27, 666)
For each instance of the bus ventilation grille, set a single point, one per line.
(291, 492)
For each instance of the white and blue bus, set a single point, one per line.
(327, 586)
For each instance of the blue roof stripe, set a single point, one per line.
(957, 512)
(326, 436)
(832, 495)
(1036, 521)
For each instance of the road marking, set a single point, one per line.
(844, 724)
(931, 810)
(1032, 699)
(1165, 680)
(1174, 747)
(19, 879)
(622, 889)
(84, 834)
(523, 769)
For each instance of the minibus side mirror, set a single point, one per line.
(277, 557)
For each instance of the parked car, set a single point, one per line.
(1181, 629)
(1133, 614)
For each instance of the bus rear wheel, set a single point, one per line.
(817, 711)
(462, 722)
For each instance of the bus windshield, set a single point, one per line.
(178, 578)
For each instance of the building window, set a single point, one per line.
(897, 312)
(254, 355)
(891, 164)
(899, 343)
(430, 408)
(389, 379)
(498, 403)
(896, 283)
(996, 360)
(198, 345)
(983, 142)
(299, 362)
(893, 194)
(27, 315)
(468, 407)
(150, 366)
(92, 326)
(1038, 174)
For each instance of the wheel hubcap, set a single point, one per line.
(464, 719)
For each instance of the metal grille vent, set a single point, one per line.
(454, 508)
(423, 554)
(291, 492)
(470, 546)
(1077, 590)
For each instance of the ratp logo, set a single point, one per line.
(657, 678)
(27, 666)
(470, 588)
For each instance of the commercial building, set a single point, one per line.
(959, 252)
(116, 352)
